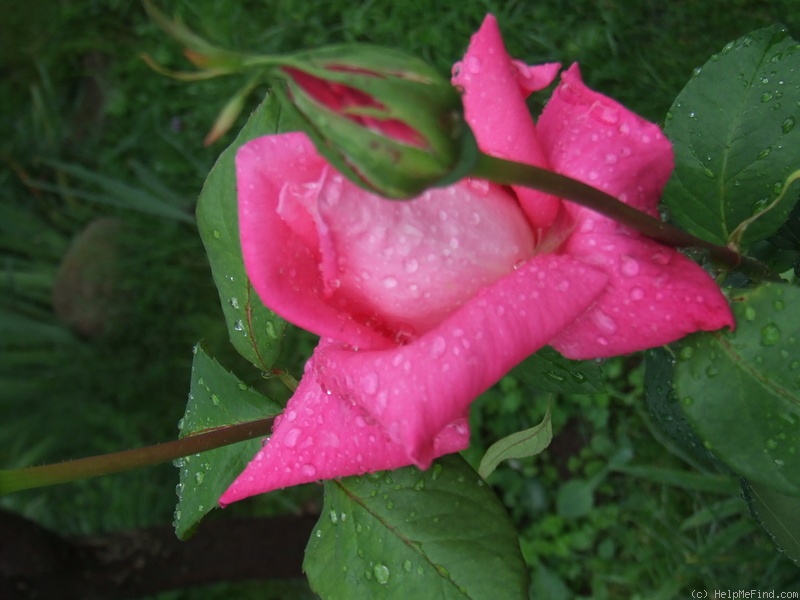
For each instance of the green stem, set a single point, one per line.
(15, 480)
(514, 173)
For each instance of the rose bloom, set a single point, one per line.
(423, 305)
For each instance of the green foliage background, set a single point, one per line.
(88, 131)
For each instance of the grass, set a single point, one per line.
(90, 132)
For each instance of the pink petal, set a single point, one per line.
(320, 436)
(414, 391)
(655, 296)
(277, 181)
(596, 140)
(495, 88)
(413, 263)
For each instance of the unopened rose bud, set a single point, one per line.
(385, 120)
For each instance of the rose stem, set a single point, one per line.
(14, 480)
(509, 172)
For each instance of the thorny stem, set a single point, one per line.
(15, 480)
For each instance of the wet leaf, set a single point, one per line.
(548, 371)
(254, 330)
(777, 514)
(735, 136)
(405, 534)
(216, 398)
(741, 390)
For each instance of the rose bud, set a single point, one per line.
(384, 119)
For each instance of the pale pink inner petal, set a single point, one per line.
(416, 262)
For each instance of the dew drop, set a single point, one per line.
(629, 267)
(439, 346)
(381, 573)
(215, 399)
(292, 436)
(764, 153)
(787, 125)
(407, 565)
(766, 97)
(436, 471)
(411, 265)
(369, 383)
(234, 302)
(637, 293)
(770, 334)
(217, 234)
(749, 313)
(389, 282)
(271, 330)
(199, 476)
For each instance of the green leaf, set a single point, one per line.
(254, 330)
(410, 534)
(741, 390)
(521, 444)
(216, 398)
(548, 371)
(777, 514)
(662, 400)
(733, 130)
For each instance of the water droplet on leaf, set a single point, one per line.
(381, 573)
(770, 334)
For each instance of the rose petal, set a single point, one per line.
(280, 246)
(320, 436)
(655, 296)
(495, 88)
(594, 139)
(414, 391)
(415, 262)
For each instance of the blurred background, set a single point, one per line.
(105, 288)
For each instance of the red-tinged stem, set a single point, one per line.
(509, 172)
(15, 480)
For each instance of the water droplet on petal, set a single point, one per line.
(292, 436)
(369, 383)
(439, 346)
(629, 266)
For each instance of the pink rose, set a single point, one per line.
(423, 305)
